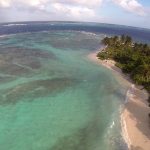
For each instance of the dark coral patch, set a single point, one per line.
(38, 88)
(20, 61)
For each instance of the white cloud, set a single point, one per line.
(73, 10)
(42, 6)
(81, 10)
(130, 6)
(13, 3)
(75, 13)
(5, 3)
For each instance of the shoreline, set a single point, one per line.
(134, 120)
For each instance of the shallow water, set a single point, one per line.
(54, 98)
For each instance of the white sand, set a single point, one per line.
(135, 118)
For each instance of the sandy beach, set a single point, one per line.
(135, 120)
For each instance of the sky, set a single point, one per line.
(123, 12)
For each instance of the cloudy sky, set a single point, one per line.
(124, 12)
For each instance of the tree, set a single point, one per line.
(141, 45)
(128, 41)
(118, 45)
(136, 45)
(107, 41)
(123, 38)
(148, 74)
(116, 38)
(146, 46)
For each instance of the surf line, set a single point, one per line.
(125, 134)
(129, 94)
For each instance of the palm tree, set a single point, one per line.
(146, 67)
(116, 38)
(129, 40)
(146, 46)
(123, 38)
(148, 74)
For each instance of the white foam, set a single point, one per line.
(112, 124)
(123, 122)
(15, 25)
(88, 33)
(129, 93)
(2, 36)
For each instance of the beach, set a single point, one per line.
(134, 120)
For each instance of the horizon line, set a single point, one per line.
(77, 22)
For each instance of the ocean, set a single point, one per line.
(52, 97)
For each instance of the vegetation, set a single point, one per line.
(149, 99)
(119, 65)
(133, 58)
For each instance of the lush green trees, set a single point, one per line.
(128, 41)
(123, 38)
(148, 74)
(146, 46)
(116, 39)
(134, 59)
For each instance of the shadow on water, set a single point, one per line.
(87, 138)
(36, 89)
(136, 148)
(84, 139)
(21, 61)
(5, 79)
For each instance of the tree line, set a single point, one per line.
(134, 58)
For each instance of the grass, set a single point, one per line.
(109, 50)
(119, 65)
(101, 58)
(103, 55)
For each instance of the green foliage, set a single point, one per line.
(128, 41)
(147, 86)
(116, 39)
(101, 58)
(127, 68)
(148, 99)
(133, 59)
(146, 46)
(123, 38)
(103, 55)
(119, 65)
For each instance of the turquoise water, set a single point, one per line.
(54, 98)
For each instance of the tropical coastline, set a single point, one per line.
(53, 96)
(135, 120)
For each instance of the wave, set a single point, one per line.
(15, 25)
(2, 36)
(129, 93)
(88, 33)
(123, 122)
(112, 124)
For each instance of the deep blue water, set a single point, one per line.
(138, 34)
